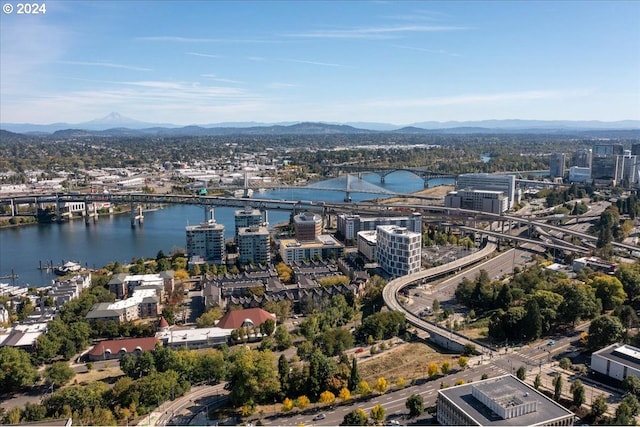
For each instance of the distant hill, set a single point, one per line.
(115, 124)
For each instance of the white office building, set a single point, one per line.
(206, 240)
(398, 250)
(489, 182)
(617, 361)
(579, 174)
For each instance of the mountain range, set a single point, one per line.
(115, 124)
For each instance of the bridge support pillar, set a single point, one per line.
(426, 182)
(136, 215)
(14, 208)
(90, 213)
(381, 179)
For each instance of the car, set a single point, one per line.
(551, 343)
(359, 350)
(319, 417)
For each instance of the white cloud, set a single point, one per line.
(281, 85)
(180, 39)
(469, 99)
(422, 49)
(383, 32)
(204, 55)
(324, 64)
(219, 79)
(106, 65)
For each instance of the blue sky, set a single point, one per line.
(397, 62)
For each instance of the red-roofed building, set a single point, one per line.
(235, 319)
(116, 349)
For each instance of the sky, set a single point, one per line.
(399, 62)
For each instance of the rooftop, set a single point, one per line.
(504, 401)
(621, 353)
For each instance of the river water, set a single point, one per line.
(24, 249)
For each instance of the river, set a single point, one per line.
(22, 249)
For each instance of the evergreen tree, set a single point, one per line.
(354, 375)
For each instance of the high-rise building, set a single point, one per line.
(557, 162)
(491, 182)
(606, 150)
(582, 158)
(604, 168)
(247, 217)
(627, 168)
(206, 240)
(635, 149)
(307, 226)
(398, 250)
(253, 245)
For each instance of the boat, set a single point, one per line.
(68, 267)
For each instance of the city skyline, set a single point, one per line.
(366, 61)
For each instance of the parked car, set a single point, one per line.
(319, 417)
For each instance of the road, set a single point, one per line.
(181, 410)
(538, 358)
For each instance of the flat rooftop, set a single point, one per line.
(624, 354)
(505, 392)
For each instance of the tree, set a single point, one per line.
(533, 320)
(599, 406)
(604, 330)
(378, 413)
(354, 375)
(627, 410)
(287, 405)
(357, 417)
(610, 291)
(557, 387)
(345, 394)
(59, 374)
(16, 370)
(433, 369)
(381, 385)
(302, 402)
(577, 390)
(631, 384)
(463, 362)
(537, 382)
(34, 412)
(521, 373)
(363, 388)
(253, 376)
(415, 405)
(283, 337)
(267, 327)
(327, 397)
(445, 367)
(209, 318)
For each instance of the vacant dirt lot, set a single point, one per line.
(408, 361)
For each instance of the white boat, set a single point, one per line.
(68, 267)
